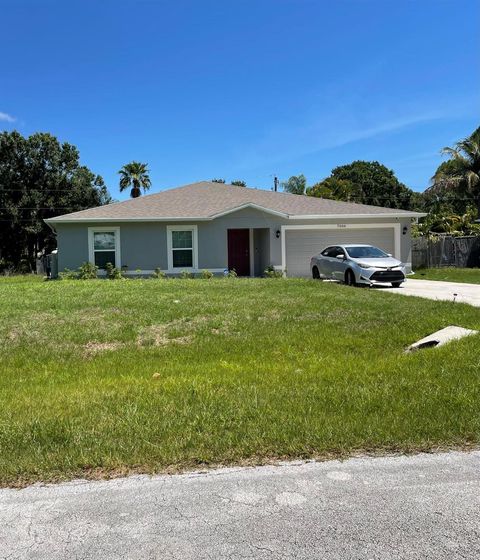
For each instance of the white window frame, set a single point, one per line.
(170, 248)
(91, 248)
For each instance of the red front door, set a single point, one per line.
(239, 251)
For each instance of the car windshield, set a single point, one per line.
(366, 252)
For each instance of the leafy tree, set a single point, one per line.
(239, 183)
(218, 180)
(336, 189)
(297, 184)
(458, 179)
(449, 223)
(135, 175)
(39, 178)
(365, 182)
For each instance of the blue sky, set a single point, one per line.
(243, 89)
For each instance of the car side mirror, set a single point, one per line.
(390, 254)
(340, 257)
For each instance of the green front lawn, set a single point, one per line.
(108, 377)
(448, 274)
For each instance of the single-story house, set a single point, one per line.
(215, 226)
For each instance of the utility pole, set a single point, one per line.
(275, 183)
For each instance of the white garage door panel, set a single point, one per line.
(303, 244)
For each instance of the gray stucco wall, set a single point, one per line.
(144, 244)
(72, 245)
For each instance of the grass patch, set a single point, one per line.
(449, 274)
(100, 377)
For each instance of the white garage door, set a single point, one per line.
(302, 245)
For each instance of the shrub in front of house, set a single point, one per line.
(270, 272)
(159, 274)
(113, 273)
(206, 274)
(68, 274)
(87, 271)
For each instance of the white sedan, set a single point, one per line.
(358, 264)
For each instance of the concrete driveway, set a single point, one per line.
(447, 291)
(424, 506)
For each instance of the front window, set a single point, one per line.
(104, 246)
(366, 252)
(182, 247)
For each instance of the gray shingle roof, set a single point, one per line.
(206, 200)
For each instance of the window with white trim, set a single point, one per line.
(182, 247)
(104, 246)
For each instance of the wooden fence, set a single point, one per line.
(445, 250)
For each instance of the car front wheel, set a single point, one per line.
(315, 273)
(350, 278)
(396, 284)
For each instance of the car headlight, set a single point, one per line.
(363, 265)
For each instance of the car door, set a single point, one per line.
(339, 266)
(324, 262)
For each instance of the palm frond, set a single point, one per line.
(134, 174)
(473, 179)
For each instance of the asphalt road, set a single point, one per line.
(421, 507)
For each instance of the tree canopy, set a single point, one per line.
(39, 178)
(236, 182)
(297, 184)
(364, 182)
(456, 182)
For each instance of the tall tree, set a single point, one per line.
(39, 178)
(336, 189)
(458, 178)
(365, 182)
(135, 175)
(297, 184)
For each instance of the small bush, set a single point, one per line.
(113, 273)
(68, 274)
(185, 274)
(6, 267)
(87, 271)
(231, 273)
(24, 267)
(270, 272)
(160, 274)
(206, 274)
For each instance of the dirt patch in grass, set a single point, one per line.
(271, 315)
(93, 348)
(26, 333)
(178, 331)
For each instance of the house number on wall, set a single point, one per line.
(341, 225)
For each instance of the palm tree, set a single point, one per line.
(135, 175)
(462, 171)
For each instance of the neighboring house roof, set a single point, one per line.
(207, 200)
